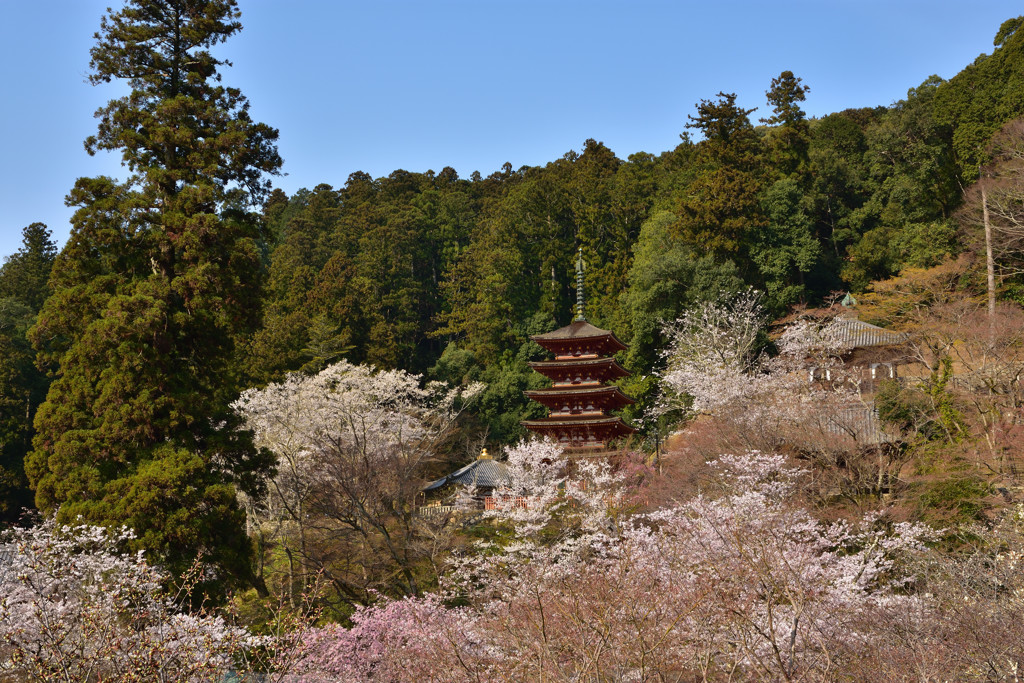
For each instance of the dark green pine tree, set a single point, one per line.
(789, 140)
(720, 208)
(24, 274)
(23, 287)
(159, 280)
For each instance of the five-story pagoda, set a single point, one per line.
(580, 399)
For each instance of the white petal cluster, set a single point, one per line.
(75, 607)
(346, 410)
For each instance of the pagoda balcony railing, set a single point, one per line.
(578, 413)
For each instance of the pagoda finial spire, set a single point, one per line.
(579, 285)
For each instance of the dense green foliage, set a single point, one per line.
(448, 276)
(172, 294)
(158, 281)
(23, 288)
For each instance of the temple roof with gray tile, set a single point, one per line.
(485, 472)
(851, 333)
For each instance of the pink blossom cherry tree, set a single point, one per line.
(739, 583)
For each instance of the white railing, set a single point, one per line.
(437, 510)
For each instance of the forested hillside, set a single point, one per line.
(447, 276)
(216, 394)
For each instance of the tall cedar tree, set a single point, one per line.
(720, 208)
(159, 279)
(23, 287)
(790, 139)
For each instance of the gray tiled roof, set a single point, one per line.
(852, 333)
(483, 472)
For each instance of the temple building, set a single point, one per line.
(485, 474)
(580, 399)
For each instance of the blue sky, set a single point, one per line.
(377, 86)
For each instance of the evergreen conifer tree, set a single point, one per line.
(720, 210)
(23, 288)
(24, 274)
(158, 281)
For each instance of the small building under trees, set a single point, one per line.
(482, 476)
(873, 354)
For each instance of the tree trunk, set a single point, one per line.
(990, 265)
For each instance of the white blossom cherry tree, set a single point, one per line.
(75, 608)
(351, 443)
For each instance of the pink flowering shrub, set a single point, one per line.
(741, 585)
(413, 639)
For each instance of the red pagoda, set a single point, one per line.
(580, 399)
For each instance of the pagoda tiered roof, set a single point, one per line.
(579, 401)
(579, 338)
(602, 369)
(607, 397)
(585, 420)
(578, 432)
